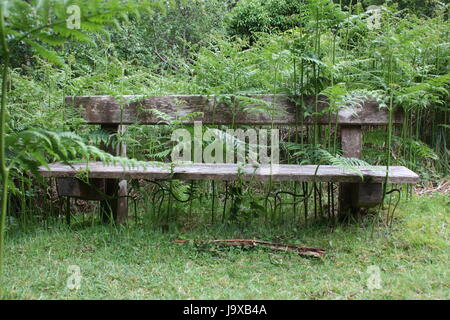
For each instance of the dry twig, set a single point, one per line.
(302, 250)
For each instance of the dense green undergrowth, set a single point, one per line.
(314, 47)
(131, 262)
(330, 51)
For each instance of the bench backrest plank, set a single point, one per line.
(275, 109)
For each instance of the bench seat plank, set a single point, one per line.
(284, 172)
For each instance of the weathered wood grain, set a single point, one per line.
(351, 141)
(325, 173)
(367, 194)
(276, 109)
(76, 188)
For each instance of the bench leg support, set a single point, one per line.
(116, 204)
(68, 210)
(354, 196)
(351, 142)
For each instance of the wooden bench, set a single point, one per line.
(106, 111)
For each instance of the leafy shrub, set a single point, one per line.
(167, 39)
(250, 16)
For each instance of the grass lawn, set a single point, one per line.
(132, 262)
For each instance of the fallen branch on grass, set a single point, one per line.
(301, 250)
